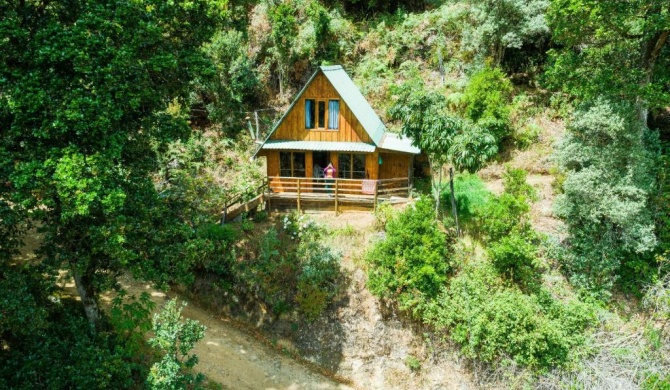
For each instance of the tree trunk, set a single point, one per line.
(454, 209)
(87, 296)
(652, 49)
(437, 193)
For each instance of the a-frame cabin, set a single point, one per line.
(331, 122)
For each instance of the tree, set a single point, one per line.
(498, 25)
(606, 194)
(612, 48)
(226, 92)
(84, 92)
(175, 337)
(444, 137)
(284, 32)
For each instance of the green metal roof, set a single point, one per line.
(398, 143)
(319, 146)
(355, 101)
(353, 98)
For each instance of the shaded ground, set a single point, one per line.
(228, 355)
(237, 360)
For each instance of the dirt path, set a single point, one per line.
(236, 360)
(227, 355)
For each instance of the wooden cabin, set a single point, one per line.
(331, 122)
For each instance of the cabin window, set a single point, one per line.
(333, 114)
(321, 114)
(310, 113)
(291, 164)
(351, 166)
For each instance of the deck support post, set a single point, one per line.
(336, 196)
(298, 195)
(376, 194)
(269, 192)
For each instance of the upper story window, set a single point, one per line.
(333, 114)
(310, 113)
(322, 114)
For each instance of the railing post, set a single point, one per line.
(336, 196)
(376, 194)
(298, 195)
(269, 195)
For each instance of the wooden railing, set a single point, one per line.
(338, 190)
(239, 199)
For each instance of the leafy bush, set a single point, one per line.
(491, 323)
(514, 181)
(290, 268)
(515, 257)
(175, 337)
(412, 262)
(488, 96)
(500, 215)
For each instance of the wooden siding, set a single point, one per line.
(293, 125)
(394, 165)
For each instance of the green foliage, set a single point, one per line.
(413, 363)
(488, 99)
(55, 349)
(514, 181)
(383, 215)
(412, 262)
(81, 113)
(471, 195)
(500, 215)
(130, 319)
(441, 135)
(175, 338)
(491, 323)
(231, 86)
(515, 257)
(610, 49)
(496, 26)
(291, 268)
(607, 158)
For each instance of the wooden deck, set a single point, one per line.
(337, 192)
(309, 193)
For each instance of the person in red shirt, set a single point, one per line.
(329, 174)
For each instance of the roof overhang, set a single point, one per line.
(397, 143)
(324, 146)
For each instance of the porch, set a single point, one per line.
(304, 192)
(314, 193)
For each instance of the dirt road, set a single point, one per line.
(238, 361)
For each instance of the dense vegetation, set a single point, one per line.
(123, 128)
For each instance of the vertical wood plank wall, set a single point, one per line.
(394, 165)
(293, 125)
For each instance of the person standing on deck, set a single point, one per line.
(329, 174)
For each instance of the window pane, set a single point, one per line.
(359, 166)
(284, 163)
(344, 166)
(298, 164)
(333, 114)
(309, 113)
(322, 114)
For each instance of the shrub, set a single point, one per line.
(488, 96)
(290, 268)
(514, 181)
(500, 215)
(515, 257)
(490, 322)
(412, 261)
